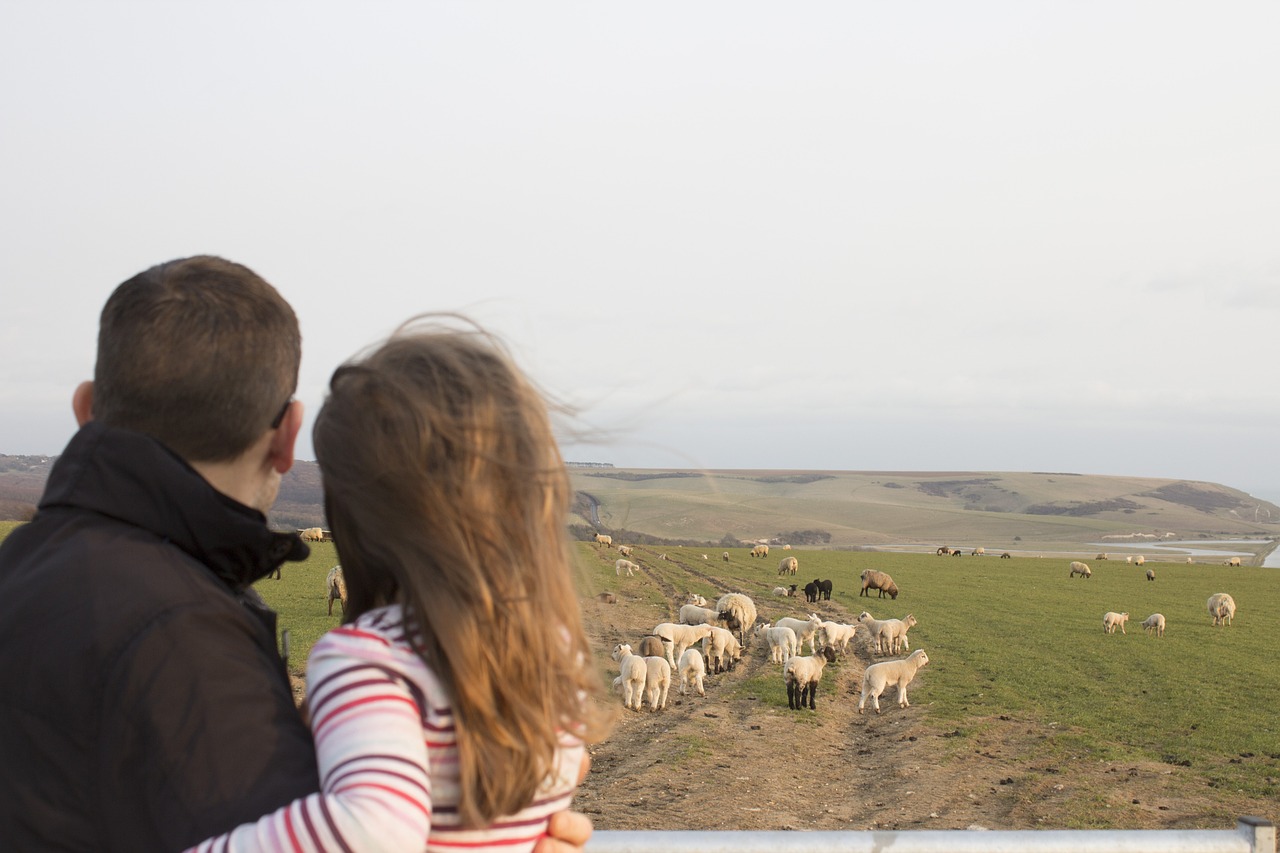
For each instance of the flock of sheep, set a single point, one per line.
(1221, 606)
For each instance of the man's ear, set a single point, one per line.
(82, 403)
(285, 437)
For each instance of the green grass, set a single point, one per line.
(300, 599)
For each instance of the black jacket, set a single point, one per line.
(143, 702)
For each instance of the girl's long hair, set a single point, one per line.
(447, 494)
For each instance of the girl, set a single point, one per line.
(451, 708)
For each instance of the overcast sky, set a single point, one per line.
(831, 235)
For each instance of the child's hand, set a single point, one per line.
(567, 832)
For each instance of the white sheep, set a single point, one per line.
(336, 588)
(657, 682)
(602, 539)
(692, 614)
(1081, 569)
(781, 590)
(312, 534)
(760, 551)
(1154, 624)
(1222, 607)
(880, 676)
(1112, 620)
(676, 638)
(872, 625)
(1234, 561)
(782, 641)
(738, 612)
(837, 634)
(1139, 560)
(788, 566)
(802, 675)
(694, 598)
(624, 550)
(620, 565)
(634, 673)
(725, 556)
(806, 629)
(692, 671)
(721, 649)
(892, 634)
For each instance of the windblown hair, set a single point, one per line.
(199, 353)
(447, 494)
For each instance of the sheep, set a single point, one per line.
(624, 550)
(1112, 620)
(1139, 560)
(786, 547)
(892, 634)
(1234, 561)
(824, 589)
(872, 579)
(1128, 559)
(1006, 556)
(606, 598)
(676, 638)
(944, 551)
(721, 649)
(806, 629)
(738, 612)
(1154, 624)
(725, 556)
(880, 676)
(620, 565)
(312, 534)
(692, 671)
(760, 551)
(634, 672)
(1222, 607)
(336, 588)
(1101, 557)
(837, 634)
(1151, 574)
(657, 682)
(694, 598)
(811, 591)
(606, 541)
(692, 614)
(651, 646)
(782, 641)
(788, 566)
(782, 591)
(873, 626)
(802, 675)
(979, 551)
(1081, 569)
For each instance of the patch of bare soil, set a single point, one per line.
(732, 761)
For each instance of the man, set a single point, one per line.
(145, 705)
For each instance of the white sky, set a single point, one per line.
(913, 236)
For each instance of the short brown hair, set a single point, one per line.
(446, 493)
(200, 353)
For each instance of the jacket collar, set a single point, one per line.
(135, 479)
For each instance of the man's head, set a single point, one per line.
(199, 353)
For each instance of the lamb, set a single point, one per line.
(738, 612)
(336, 588)
(692, 614)
(880, 676)
(624, 550)
(892, 634)
(873, 627)
(721, 649)
(633, 674)
(1081, 569)
(620, 565)
(725, 556)
(694, 598)
(760, 551)
(1222, 607)
(873, 579)
(1112, 620)
(606, 541)
(1006, 556)
(1154, 624)
(1234, 561)
(679, 637)
(781, 590)
(657, 682)
(1100, 557)
(806, 629)
(811, 592)
(692, 671)
(788, 566)
(837, 634)
(802, 675)
(1151, 574)
(782, 642)
(651, 646)
(824, 589)
(979, 551)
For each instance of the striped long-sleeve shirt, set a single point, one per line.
(387, 752)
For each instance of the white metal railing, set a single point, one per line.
(1251, 835)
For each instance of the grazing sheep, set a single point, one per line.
(811, 591)
(606, 598)
(606, 541)
(657, 682)
(872, 579)
(621, 565)
(957, 553)
(802, 675)
(692, 671)
(725, 556)
(651, 646)
(1128, 559)
(806, 629)
(632, 676)
(692, 614)
(694, 598)
(1101, 557)
(336, 588)
(979, 551)
(1234, 561)
(624, 550)
(676, 638)
(1081, 569)
(738, 612)
(944, 551)
(837, 634)
(880, 676)
(1151, 574)
(1222, 607)
(782, 641)
(1006, 556)
(312, 534)
(824, 589)
(1112, 620)
(721, 649)
(1154, 624)
(788, 566)
(1190, 561)
(786, 547)
(760, 551)
(1139, 560)
(892, 634)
